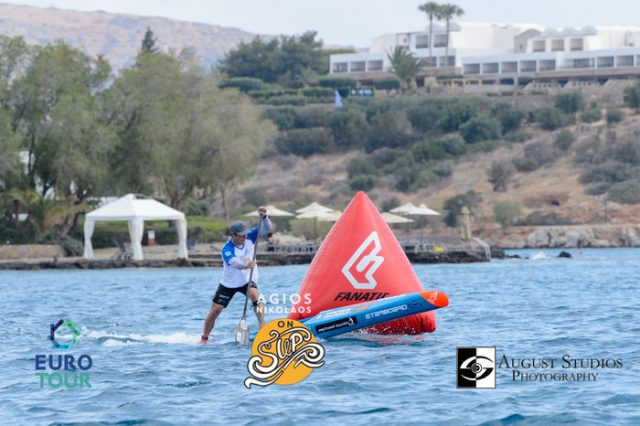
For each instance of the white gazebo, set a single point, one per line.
(135, 211)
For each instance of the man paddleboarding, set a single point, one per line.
(237, 262)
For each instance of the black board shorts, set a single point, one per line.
(224, 294)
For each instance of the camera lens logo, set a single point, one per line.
(71, 326)
(476, 368)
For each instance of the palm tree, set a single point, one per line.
(447, 12)
(432, 9)
(405, 65)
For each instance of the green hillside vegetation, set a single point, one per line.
(411, 144)
(71, 131)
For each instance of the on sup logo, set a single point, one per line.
(74, 334)
(283, 352)
(364, 263)
(476, 367)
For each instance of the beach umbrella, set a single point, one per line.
(331, 216)
(319, 213)
(406, 208)
(391, 218)
(314, 207)
(423, 210)
(410, 209)
(271, 211)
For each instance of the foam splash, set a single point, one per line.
(114, 339)
(539, 256)
(115, 343)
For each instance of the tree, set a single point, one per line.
(389, 129)
(348, 128)
(536, 154)
(15, 55)
(149, 42)
(614, 115)
(146, 107)
(447, 12)
(432, 9)
(500, 175)
(551, 118)
(405, 65)
(57, 120)
(454, 205)
(180, 133)
(481, 128)
(632, 97)
(290, 60)
(506, 212)
(299, 59)
(257, 59)
(232, 136)
(46, 213)
(363, 182)
(509, 117)
(9, 147)
(564, 139)
(627, 192)
(570, 102)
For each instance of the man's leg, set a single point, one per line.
(258, 306)
(210, 321)
(220, 301)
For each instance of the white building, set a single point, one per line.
(504, 53)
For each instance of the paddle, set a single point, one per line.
(242, 332)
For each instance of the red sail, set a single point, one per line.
(361, 260)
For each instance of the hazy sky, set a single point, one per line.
(355, 22)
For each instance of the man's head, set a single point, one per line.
(238, 231)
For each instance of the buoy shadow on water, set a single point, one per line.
(377, 340)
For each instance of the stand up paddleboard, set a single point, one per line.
(336, 321)
(343, 320)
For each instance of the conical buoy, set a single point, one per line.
(361, 260)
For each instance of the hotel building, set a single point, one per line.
(506, 54)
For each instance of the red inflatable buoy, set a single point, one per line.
(361, 260)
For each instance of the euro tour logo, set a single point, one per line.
(63, 371)
(283, 352)
(476, 368)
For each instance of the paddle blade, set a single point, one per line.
(242, 333)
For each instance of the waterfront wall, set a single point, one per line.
(30, 251)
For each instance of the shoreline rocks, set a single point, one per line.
(570, 236)
(266, 259)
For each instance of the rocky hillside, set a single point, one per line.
(116, 36)
(554, 199)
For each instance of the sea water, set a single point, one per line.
(140, 328)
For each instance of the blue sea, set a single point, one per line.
(140, 328)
